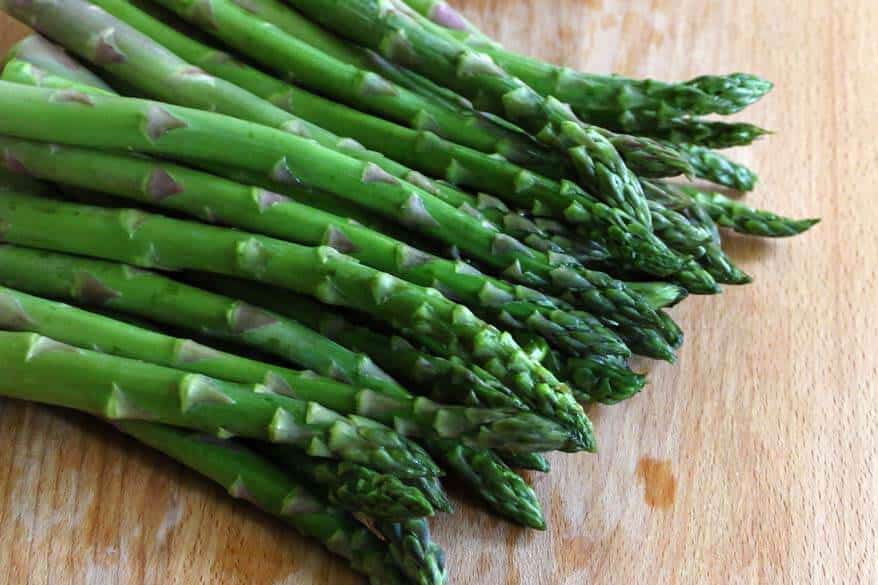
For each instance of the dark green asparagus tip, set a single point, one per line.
(648, 343)
(650, 158)
(714, 167)
(660, 295)
(694, 278)
(604, 379)
(431, 488)
(728, 94)
(712, 134)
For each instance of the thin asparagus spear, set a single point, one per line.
(529, 461)
(252, 478)
(194, 134)
(423, 150)
(230, 203)
(744, 219)
(414, 417)
(716, 168)
(660, 295)
(626, 104)
(415, 553)
(150, 240)
(709, 134)
(602, 379)
(431, 488)
(354, 487)
(123, 389)
(154, 297)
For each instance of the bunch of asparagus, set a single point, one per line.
(457, 245)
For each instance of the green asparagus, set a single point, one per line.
(123, 389)
(716, 168)
(744, 219)
(354, 487)
(154, 297)
(415, 553)
(49, 57)
(422, 149)
(415, 417)
(192, 192)
(250, 477)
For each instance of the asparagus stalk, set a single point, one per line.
(423, 150)
(292, 57)
(626, 104)
(484, 470)
(263, 212)
(716, 168)
(123, 389)
(249, 477)
(431, 488)
(354, 487)
(747, 220)
(172, 130)
(152, 296)
(415, 417)
(445, 380)
(386, 29)
(415, 553)
(710, 134)
(49, 57)
(529, 461)
(150, 240)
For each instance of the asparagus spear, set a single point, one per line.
(445, 380)
(716, 168)
(152, 296)
(123, 389)
(415, 417)
(250, 477)
(150, 240)
(744, 219)
(49, 57)
(172, 130)
(431, 488)
(709, 134)
(660, 295)
(398, 37)
(238, 205)
(354, 487)
(628, 104)
(415, 553)
(357, 87)
(530, 461)
(424, 150)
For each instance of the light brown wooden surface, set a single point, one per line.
(753, 460)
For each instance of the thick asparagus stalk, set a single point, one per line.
(238, 205)
(354, 487)
(424, 150)
(628, 104)
(386, 29)
(247, 476)
(189, 133)
(360, 88)
(154, 297)
(150, 240)
(123, 389)
(415, 417)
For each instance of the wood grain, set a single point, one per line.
(753, 460)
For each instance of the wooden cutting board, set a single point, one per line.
(752, 460)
